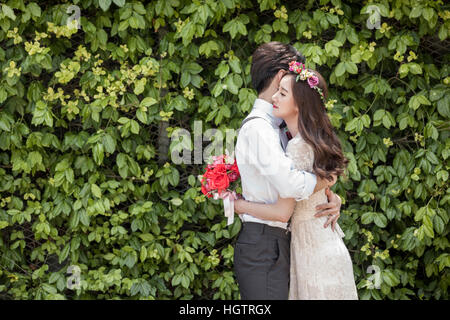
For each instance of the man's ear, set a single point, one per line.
(278, 77)
(280, 74)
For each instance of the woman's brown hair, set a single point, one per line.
(316, 129)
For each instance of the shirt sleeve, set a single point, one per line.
(266, 155)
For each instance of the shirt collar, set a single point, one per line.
(267, 108)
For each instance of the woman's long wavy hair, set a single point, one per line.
(316, 129)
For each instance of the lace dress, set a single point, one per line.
(321, 266)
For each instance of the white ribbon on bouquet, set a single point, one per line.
(228, 198)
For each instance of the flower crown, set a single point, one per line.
(304, 74)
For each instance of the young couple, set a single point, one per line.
(286, 181)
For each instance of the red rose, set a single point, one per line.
(220, 182)
(233, 176)
(206, 189)
(235, 168)
(221, 167)
(219, 178)
(206, 183)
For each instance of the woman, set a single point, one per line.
(321, 267)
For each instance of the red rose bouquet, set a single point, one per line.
(217, 180)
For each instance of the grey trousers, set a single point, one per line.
(262, 262)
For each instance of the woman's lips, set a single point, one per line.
(275, 107)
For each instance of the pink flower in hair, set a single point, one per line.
(313, 81)
(296, 66)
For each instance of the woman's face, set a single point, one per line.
(283, 100)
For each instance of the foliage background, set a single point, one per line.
(85, 122)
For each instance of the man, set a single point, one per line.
(262, 249)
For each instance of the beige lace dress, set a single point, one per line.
(321, 267)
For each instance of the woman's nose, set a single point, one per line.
(274, 97)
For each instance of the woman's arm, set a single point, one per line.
(278, 211)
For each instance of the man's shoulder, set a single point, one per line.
(258, 129)
(256, 122)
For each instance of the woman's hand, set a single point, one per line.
(239, 206)
(323, 183)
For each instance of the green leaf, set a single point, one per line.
(141, 115)
(4, 124)
(222, 70)
(231, 86)
(134, 126)
(415, 68)
(443, 32)
(34, 9)
(332, 48)
(104, 4)
(7, 11)
(417, 100)
(379, 114)
(235, 228)
(147, 102)
(416, 12)
(3, 224)
(140, 86)
(235, 65)
(64, 253)
(428, 14)
(96, 191)
(123, 25)
(443, 106)
(340, 69)
(428, 226)
(432, 157)
(390, 278)
(176, 201)
(143, 254)
(352, 36)
(234, 27)
(403, 70)
(438, 223)
(367, 217)
(193, 68)
(351, 67)
(98, 153)
(109, 143)
(208, 47)
(119, 3)
(380, 220)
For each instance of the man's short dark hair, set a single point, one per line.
(268, 59)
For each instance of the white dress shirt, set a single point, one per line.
(265, 170)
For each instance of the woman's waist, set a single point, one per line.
(306, 209)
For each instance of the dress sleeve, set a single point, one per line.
(301, 154)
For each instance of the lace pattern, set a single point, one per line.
(321, 266)
(301, 153)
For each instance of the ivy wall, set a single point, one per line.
(92, 90)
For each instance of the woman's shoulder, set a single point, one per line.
(298, 141)
(298, 149)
